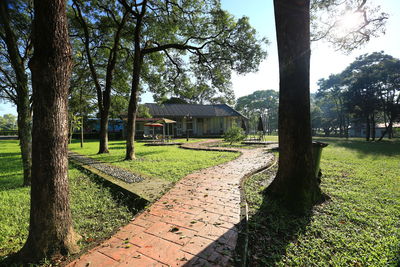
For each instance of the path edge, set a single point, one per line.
(243, 236)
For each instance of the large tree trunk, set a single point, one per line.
(390, 131)
(103, 147)
(295, 184)
(133, 108)
(386, 130)
(25, 135)
(50, 228)
(22, 92)
(131, 126)
(133, 100)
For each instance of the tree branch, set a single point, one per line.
(179, 71)
(130, 7)
(78, 15)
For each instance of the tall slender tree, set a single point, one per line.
(331, 91)
(95, 35)
(50, 228)
(295, 183)
(373, 81)
(15, 50)
(198, 31)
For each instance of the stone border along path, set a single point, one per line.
(194, 224)
(147, 188)
(111, 170)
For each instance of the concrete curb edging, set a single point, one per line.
(243, 240)
(110, 182)
(149, 190)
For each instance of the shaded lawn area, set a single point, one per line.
(166, 162)
(359, 226)
(96, 211)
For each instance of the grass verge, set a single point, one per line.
(166, 162)
(97, 212)
(359, 226)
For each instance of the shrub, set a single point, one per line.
(234, 134)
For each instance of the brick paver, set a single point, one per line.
(194, 224)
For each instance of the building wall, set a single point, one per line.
(361, 132)
(205, 126)
(199, 126)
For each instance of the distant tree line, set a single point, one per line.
(367, 92)
(120, 49)
(8, 122)
(262, 103)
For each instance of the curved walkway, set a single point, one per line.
(194, 224)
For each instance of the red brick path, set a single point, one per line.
(192, 225)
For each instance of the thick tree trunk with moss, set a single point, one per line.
(295, 184)
(22, 91)
(50, 228)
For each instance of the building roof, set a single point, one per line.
(194, 110)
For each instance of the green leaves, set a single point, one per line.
(348, 24)
(208, 43)
(234, 134)
(8, 122)
(262, 102)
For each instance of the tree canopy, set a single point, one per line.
(366, 92)
(8, 122)
(260, 103)
(348, 24)
(187, 45)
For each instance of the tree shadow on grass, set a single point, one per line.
(271, 230)
(364, 148)
(148, 153)
(11, 170)
(113, 147)
(10, 182)
(133, 202)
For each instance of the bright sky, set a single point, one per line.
(324, 60)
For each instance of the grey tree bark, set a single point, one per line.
(50, 229)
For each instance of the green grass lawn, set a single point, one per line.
(96, 211)
(358, 226)
(167, 162)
